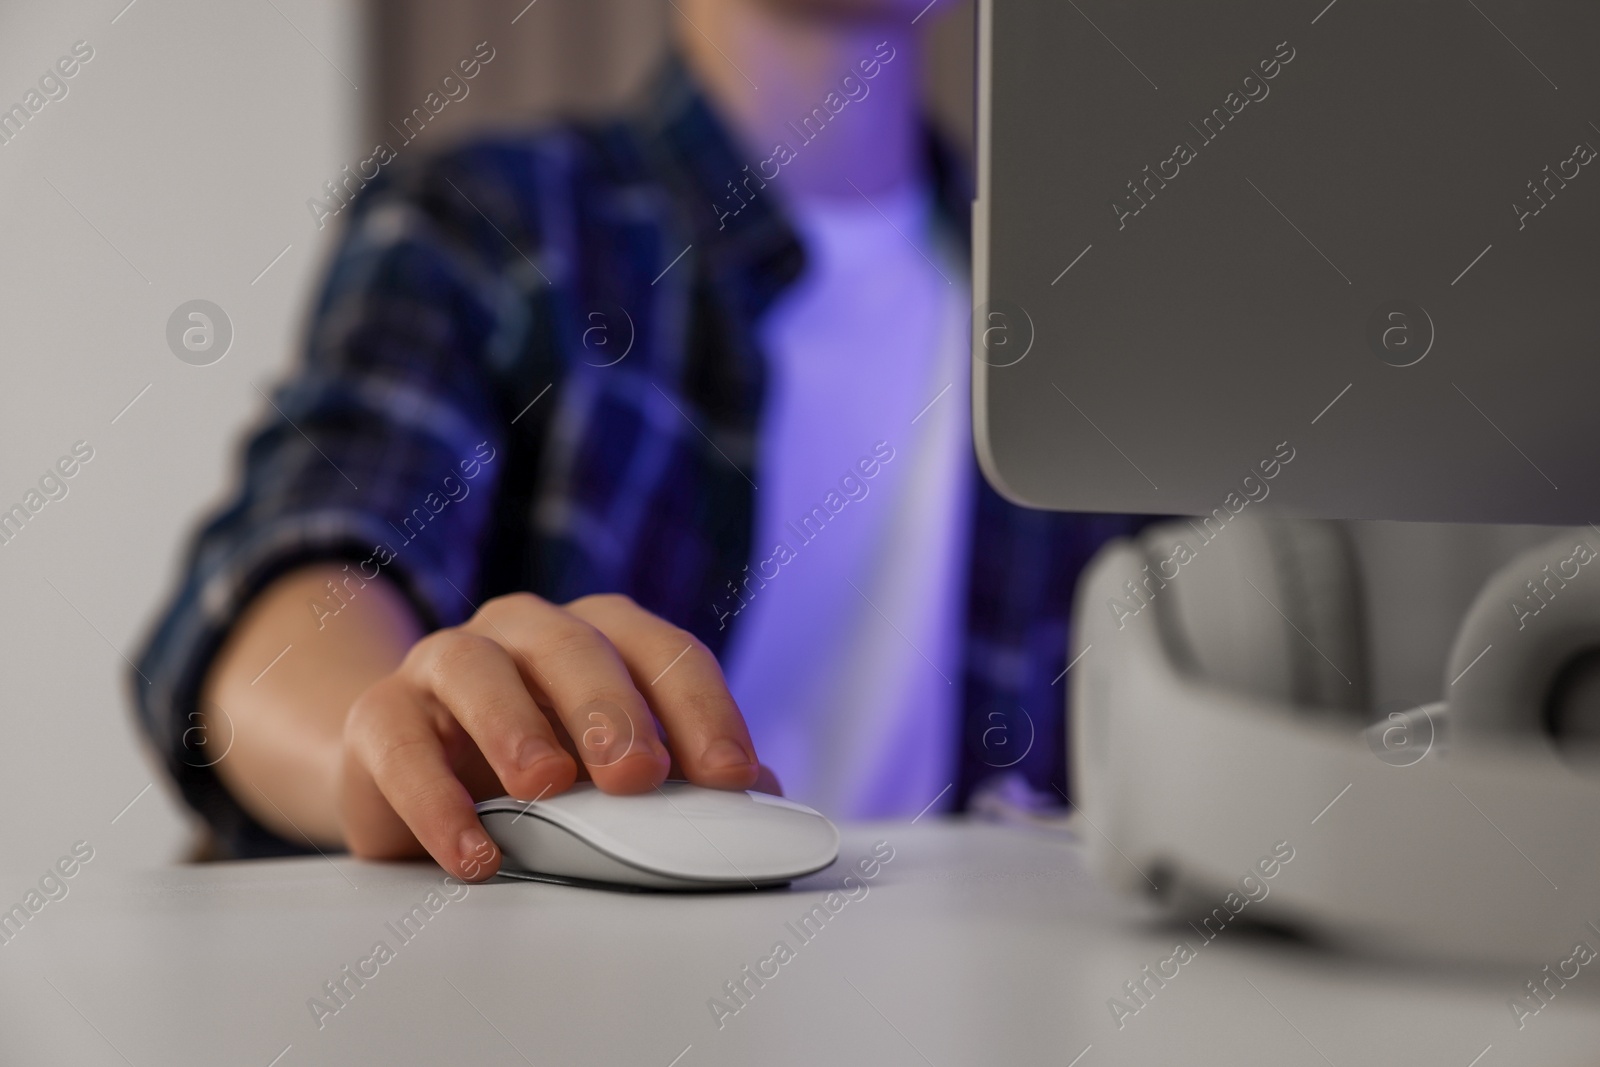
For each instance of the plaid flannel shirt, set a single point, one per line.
(463, 424)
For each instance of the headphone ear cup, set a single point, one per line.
(1268, 604)
(1527, 654)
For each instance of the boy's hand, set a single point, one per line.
(524, 698)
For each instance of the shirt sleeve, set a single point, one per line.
(383, 450)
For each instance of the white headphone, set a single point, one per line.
(1221, 708)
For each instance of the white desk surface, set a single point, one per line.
(976, 944)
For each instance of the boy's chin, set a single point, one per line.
(858, 10)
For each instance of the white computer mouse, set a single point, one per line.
(677, 836)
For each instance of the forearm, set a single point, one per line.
(282, 685)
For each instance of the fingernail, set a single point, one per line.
(532, 750)
(476, 851)
(722, 754)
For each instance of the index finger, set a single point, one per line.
(683, 684)
(579, 672)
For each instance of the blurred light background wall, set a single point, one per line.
(178, 166)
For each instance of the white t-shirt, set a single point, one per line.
(846, 654)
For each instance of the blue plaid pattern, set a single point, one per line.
(473, 321)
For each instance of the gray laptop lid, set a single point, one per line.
(1352, 245)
